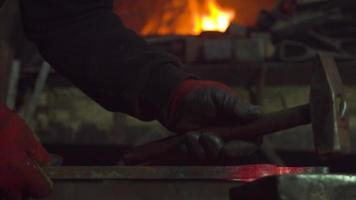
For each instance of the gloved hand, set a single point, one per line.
(207, 147)
(197, 105)
(20, 157)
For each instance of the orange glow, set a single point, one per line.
(188, 17)
(195, 16)
(217, 19)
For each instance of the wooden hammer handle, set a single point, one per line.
(267, 124)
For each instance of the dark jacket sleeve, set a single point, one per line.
(88, 44)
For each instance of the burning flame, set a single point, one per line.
(217, 18)
(190, 17)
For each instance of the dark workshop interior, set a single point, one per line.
(178, 99)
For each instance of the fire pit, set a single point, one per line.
(188, 17)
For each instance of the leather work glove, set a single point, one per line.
(20, 157)
(197, 105)
(205, 146)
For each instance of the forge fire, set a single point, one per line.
(189, 17)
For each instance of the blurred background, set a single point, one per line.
(263, 48)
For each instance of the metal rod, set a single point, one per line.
(40, 84)
(228, 173)
(13, 83)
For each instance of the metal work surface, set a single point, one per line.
(298, 187)
(141, 190)
(241, 173)
(146, 182)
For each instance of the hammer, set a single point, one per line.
(327, 111)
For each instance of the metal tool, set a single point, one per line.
(294, 51)
(39, 87)
(327, 112)
(244, 173)
(298, 187)
(14, 78)
(146, 182)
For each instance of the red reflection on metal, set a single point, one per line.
(250, 173)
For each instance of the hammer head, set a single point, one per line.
(329, 109)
